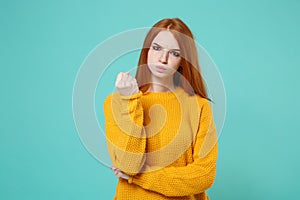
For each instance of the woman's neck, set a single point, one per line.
(161, 84)
(160, 88)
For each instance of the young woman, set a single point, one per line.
(159, 126)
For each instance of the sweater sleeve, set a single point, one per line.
(125, 134)
(193, 178)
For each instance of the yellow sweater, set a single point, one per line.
(165, 141)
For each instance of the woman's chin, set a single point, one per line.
(158, 74)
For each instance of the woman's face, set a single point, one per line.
(164, 55)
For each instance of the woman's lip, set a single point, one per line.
(160, 67)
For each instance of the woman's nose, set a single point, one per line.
(164, 57)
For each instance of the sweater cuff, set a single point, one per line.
(134, 96)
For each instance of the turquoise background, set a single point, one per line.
(255, 45)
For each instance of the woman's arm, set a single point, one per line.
(126, 137)
(193, 178)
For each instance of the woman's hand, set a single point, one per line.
(118, 173)
(126, 84)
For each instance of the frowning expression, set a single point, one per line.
(164, 55)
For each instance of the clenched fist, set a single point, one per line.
(126, 84)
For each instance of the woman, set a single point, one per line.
(159, 126)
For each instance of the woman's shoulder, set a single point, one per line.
(197, 99)
(202, 101)
(204, 105)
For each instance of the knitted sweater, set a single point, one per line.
(165, 141)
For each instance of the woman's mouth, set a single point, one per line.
(160, 68)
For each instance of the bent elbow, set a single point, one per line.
(208, 181)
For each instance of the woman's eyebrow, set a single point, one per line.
(162, 46)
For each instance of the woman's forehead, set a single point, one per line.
(166, 39)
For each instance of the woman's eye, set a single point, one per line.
(156, 48)
(175, 53)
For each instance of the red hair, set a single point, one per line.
(190, 78)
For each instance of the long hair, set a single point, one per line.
(190, 78)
